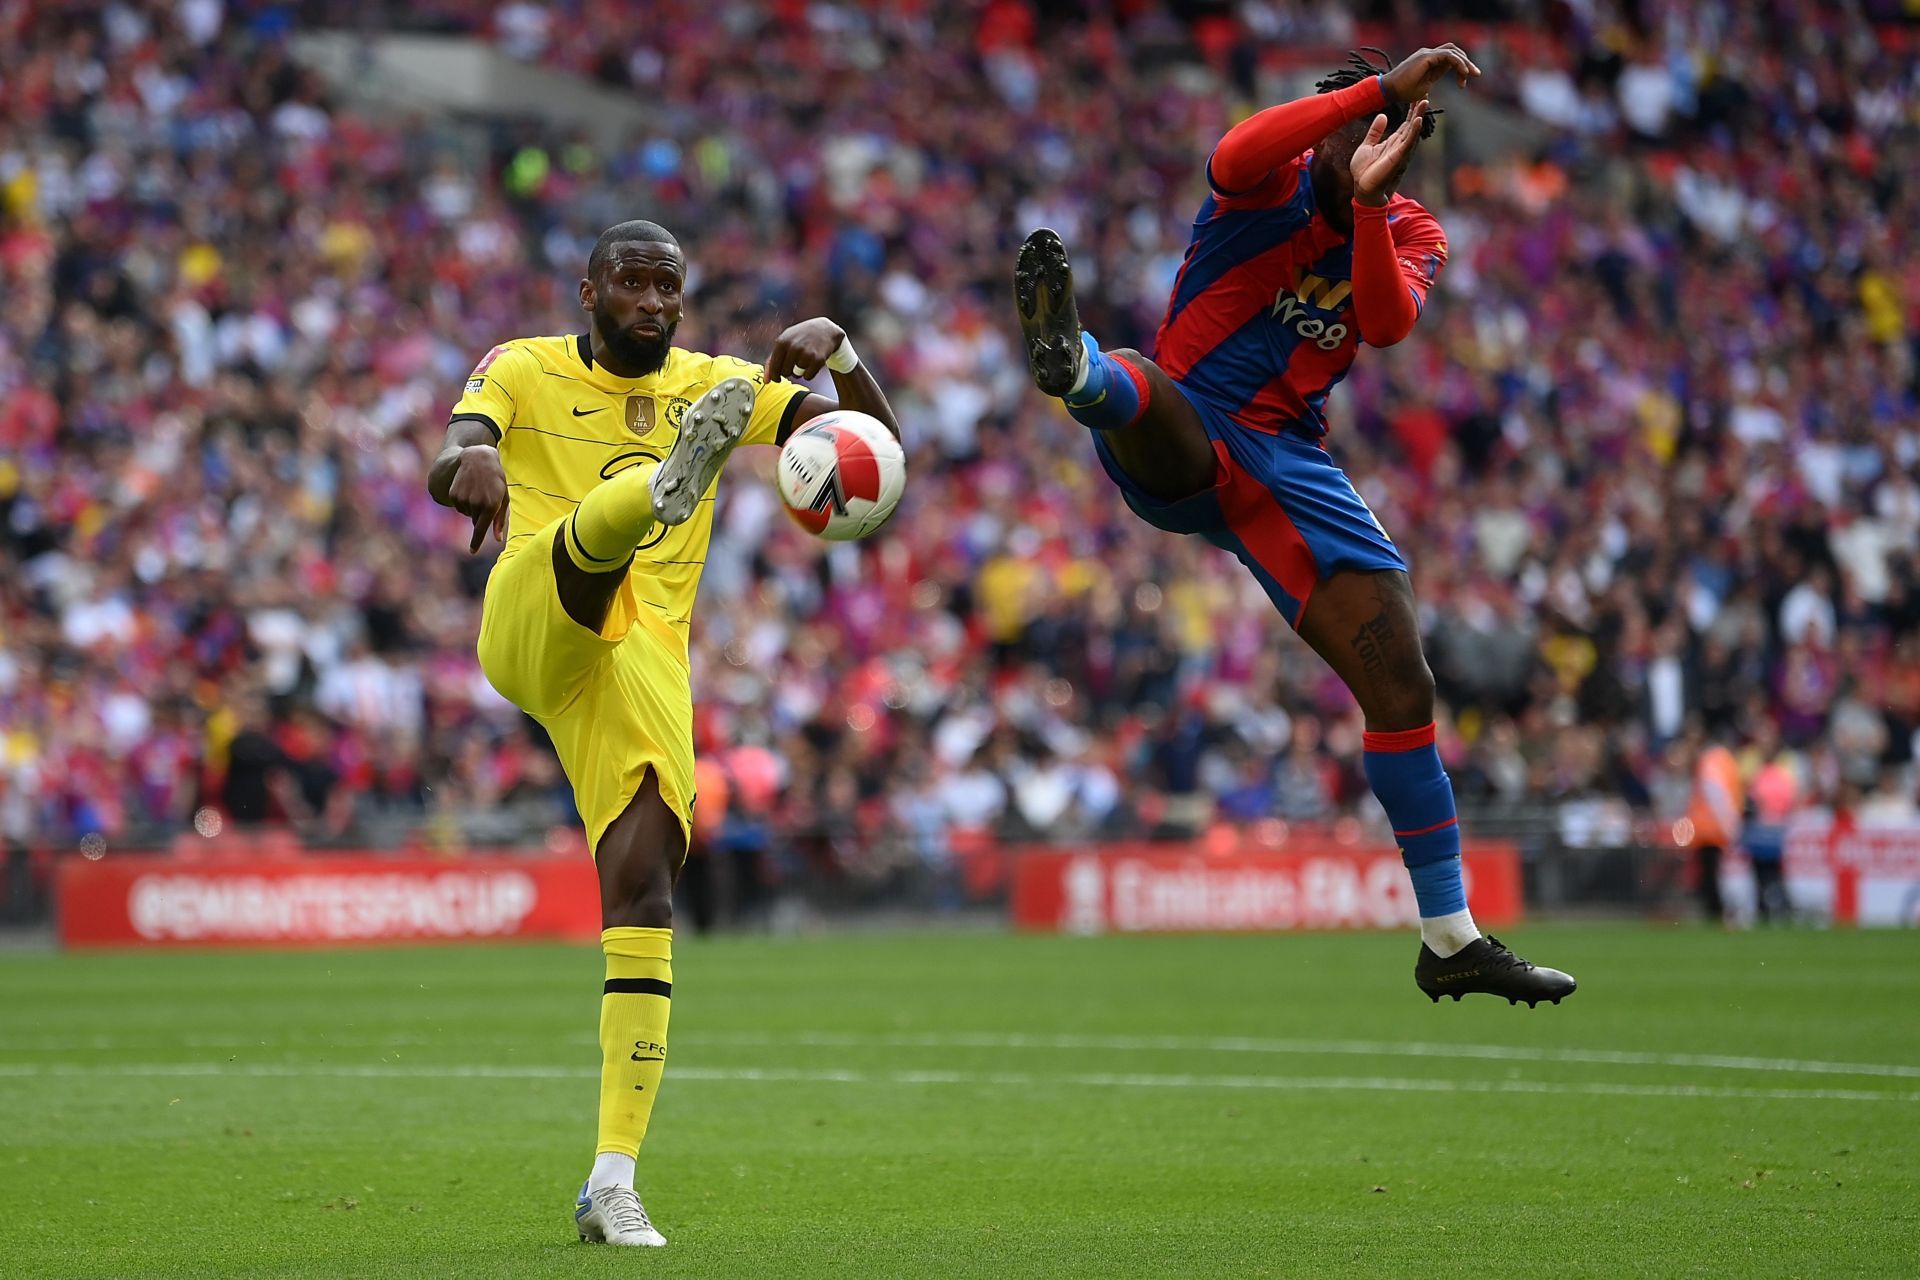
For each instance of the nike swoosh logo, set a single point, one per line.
(638, 1058)
(578, 412)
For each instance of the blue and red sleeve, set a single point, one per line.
(1256, 148)
(1398, 249)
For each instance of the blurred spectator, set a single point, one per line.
(259, 776)
(1714, 813)
(1774, 795)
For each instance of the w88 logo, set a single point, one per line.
(1291, 307)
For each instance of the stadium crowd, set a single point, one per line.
(1652, 450)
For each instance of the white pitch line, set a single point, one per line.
(1351, 1048)
(306, 1040)
(1064, 1041)
(1019, 1079)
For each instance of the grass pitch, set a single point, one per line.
(976, 1105)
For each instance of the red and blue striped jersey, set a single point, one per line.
(1261, 322)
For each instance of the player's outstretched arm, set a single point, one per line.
(1263, 142)
(468, 477)
(1257, 145)
(812, 345)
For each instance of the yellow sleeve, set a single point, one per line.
(493, 386)
(770, 402)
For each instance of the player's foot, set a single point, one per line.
(1049, 321)
(1484, 965)
(614, 1215)
(708, 433)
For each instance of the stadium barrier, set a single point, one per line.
(143, 900)
(1149, 888)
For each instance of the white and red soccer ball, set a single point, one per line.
(841, 475)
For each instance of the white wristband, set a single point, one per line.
(844, 358)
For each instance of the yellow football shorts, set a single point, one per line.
(615, 703)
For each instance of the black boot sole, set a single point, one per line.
(1458, 996)
(1049, 320)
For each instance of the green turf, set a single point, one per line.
(866, 1106)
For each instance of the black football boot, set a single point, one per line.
(1485, 965)
(1050, 323)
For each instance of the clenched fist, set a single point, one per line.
(802, 350)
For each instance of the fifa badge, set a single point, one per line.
(640, 415)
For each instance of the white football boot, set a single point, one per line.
(614, 1215)
(708, 432)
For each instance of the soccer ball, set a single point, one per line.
(841, 475)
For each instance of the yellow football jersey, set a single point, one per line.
(565, 424)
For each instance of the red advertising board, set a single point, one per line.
(1148, 888)
(134, 900)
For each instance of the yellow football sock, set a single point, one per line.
(611, 521)
(633, 1032)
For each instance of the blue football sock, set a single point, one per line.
(1112, 394)
(1405, 772)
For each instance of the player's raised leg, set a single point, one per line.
(1365, 626)
(1147, 425)
(616, 516)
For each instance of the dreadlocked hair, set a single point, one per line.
(1361, 66)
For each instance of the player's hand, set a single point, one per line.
(1380, 161)
(1414, 79)
(479, 492)
(802, 350)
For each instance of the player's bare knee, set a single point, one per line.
(1419, 692)
(637, 858)
(1404, 697)
(636, 885)
(651, 907)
